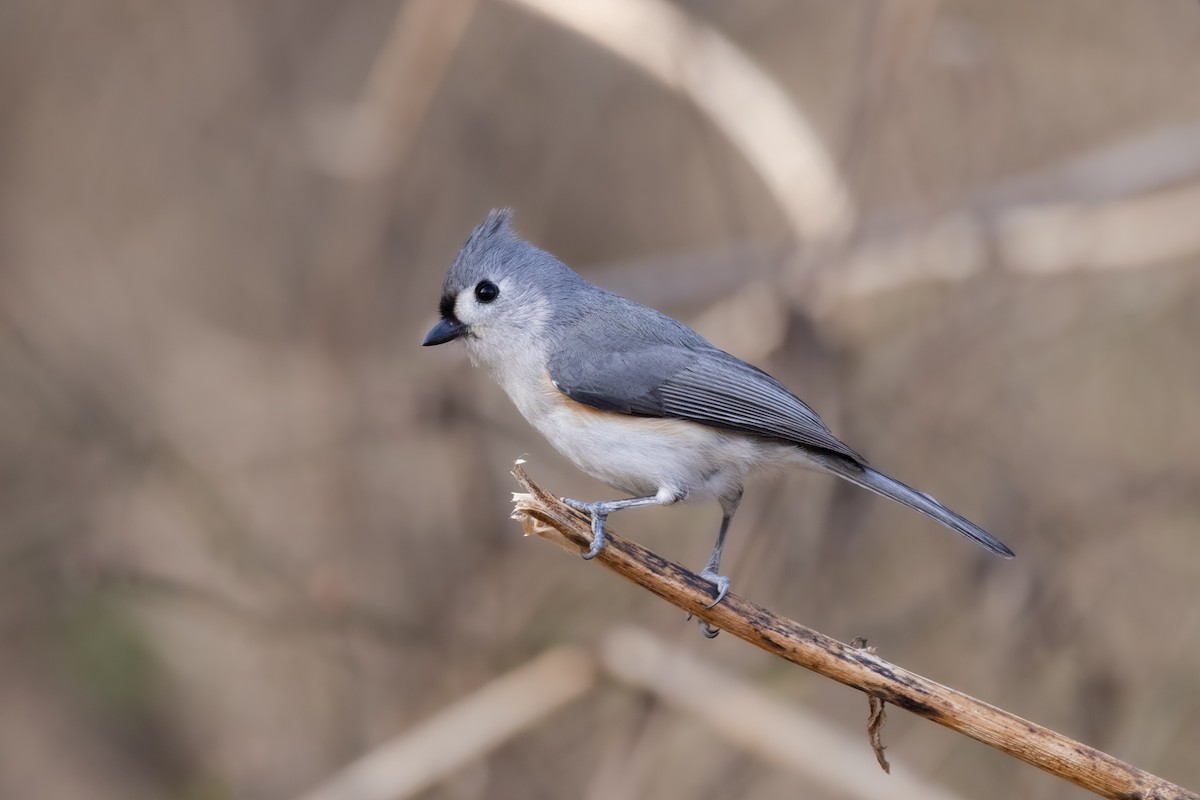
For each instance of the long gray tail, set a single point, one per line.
(891, 488)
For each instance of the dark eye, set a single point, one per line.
(486, 291)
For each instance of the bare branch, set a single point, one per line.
(546, 516)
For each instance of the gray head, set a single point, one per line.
(500, 291)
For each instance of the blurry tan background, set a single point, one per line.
(249, 530)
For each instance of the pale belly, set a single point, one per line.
(645, 456)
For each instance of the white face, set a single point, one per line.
(505, 323)
(484, 307)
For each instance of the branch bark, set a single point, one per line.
(546, 516)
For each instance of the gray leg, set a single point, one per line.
(600, 511)
(729, 507)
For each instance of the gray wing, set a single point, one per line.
(684, 378)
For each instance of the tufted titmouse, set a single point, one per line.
(634, 398)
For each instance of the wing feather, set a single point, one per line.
(689, 380)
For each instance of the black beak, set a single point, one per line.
(447, 330)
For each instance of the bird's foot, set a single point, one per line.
(598, 517)
(720, 583)
(709, 631)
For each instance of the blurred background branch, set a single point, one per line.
(374, 135)
(789, 737)
(464, 731)
(741, 100)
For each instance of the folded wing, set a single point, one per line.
(694, 382)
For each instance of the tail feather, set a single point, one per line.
(893, 489)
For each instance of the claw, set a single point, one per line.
(597, 538)
(721, 583)
(709, 631)
(597, 525)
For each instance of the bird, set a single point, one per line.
(635, 398)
